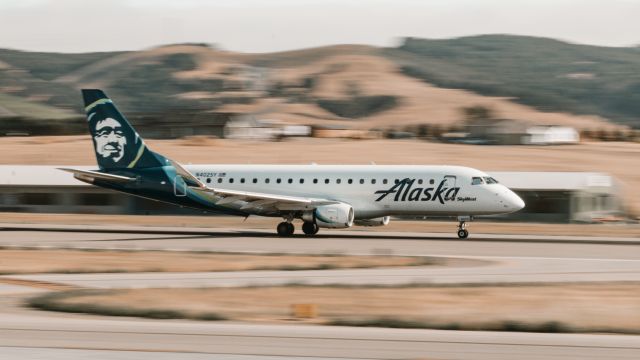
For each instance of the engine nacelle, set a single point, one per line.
(335, 216)
(381, 221)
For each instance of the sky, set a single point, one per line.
(276, 25)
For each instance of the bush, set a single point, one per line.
(55, 302)
(359, 106)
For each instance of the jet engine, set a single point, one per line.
(381, 221)
(336, 216)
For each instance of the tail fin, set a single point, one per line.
(116, 143)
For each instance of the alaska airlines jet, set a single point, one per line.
(322, 196)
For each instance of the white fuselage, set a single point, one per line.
(372, 190)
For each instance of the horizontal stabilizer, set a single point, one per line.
(89, 176)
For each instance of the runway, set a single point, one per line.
(356, 242)
(30, 334)
(26, 335)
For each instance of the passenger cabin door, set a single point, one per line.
(179, 186)
(450, 181)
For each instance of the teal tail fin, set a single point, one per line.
(116, 143)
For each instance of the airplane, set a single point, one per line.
(322, 196)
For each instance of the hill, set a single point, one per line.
(420, 82)
(548, 74)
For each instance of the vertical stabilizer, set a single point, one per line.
(116, 143)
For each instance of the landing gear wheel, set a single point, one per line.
(462, 226)
(310, 228)
(285, 229)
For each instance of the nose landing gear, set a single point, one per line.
(462, 227)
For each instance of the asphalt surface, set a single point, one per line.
(30, 334)
(44, 335)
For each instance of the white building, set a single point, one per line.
(551, 135)
(549, 196)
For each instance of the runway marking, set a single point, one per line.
(169, 351)
(344, 338)
(232, 233)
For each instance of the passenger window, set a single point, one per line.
(290, 181)
(208, 180)
(278, 180)
(266, 181)
(373, 181)
(384, 181)
(231, 181)
(361, 181)
(432, 181)
(338, 181)
(219, 180)
(255, 181)
(242, 180)
(396, 181)
(301, 181)
(315, 181)
(350, 181)
(326, 181)
(476, 181)
(420, 181)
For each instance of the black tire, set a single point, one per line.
(463, 234)
(283, 229)
(310, 228)
(290, 229)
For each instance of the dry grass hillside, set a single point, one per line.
(337, 72)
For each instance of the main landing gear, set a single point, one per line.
(462, 227)
(310, 228)
(285, 228)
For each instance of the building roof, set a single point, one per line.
(40, 175)
(48, 175)
(541, 180)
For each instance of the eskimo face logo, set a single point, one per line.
(404, 191)
(110, 139)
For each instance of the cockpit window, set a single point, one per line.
(477, 181)
(490, 180)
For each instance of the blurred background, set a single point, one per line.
(546, 95)
(542, 95)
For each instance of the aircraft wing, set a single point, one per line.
(246, 200)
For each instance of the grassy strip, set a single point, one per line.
(504, 325)
(418, 261)
(55, 302)
(415, 261)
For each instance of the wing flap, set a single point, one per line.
(248, 199)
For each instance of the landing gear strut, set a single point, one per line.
(285, 228)
(462, 227)
(310, 228)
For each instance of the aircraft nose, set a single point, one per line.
(513, 201)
